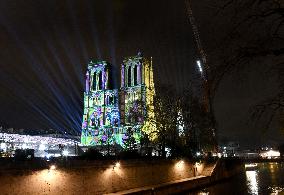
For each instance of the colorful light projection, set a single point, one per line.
(101, 112)
(110, 113)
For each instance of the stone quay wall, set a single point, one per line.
(93, 177)
(211, 174)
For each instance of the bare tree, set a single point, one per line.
(241, 33)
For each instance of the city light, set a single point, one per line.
(42, 147)
(3, 146)
(270, 154)
(65, 152)
(199, 66)
(180, 124)
(8, 137)
(251, 165)
(52, 167)
(179, 164)
(252, 181)
(117, 164)
(24, 146)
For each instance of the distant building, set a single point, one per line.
(247, 154)
(42, 145)
(111, 114)
(230, 149)
(269, 153)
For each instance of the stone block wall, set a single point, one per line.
(93, 177)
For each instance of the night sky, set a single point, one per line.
(46, 45)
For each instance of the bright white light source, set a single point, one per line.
(56, 155)
(252, 181)
(270, 154)
(250, 165)
(3, 146)
(52, 167)
(199, 66)
(117, 164)
(168, 151)
(180, 164)
(180, 124)
(65, 153)
(24, 146)
(6, 137)
(273, 153)
(197, 153)
(42, 147)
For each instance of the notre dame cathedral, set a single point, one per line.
(114, 111)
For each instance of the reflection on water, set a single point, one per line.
(203, 193)
(266, 178)
(251, 177)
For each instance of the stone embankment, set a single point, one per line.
(103, 177)
(210, 174)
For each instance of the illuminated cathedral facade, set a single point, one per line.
(114, 114)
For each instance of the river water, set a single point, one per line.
(266, 178)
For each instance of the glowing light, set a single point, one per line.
(101, 119)
(24, 146)
(252, 182)
(65, 152)
(168, 151)
(199, 168)
(250, 165)
(39, 144)
(270, 154)
(51, 175)
(199, 66)
(180, 125)
(8, 137)
(52, 167)
(276, 190)
(219, 155)
(203, 193)
(180, 164)
(42, 147)
(117, 164)
(56, 155)
(3, 146)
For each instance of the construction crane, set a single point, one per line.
(202, 63)
(204, 73)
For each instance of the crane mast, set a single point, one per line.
(205, 73)
(202, 55)
(196, 34)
